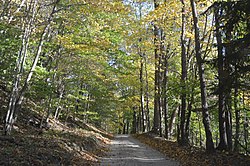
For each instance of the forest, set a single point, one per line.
(175, 68)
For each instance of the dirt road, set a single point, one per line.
(127, 151)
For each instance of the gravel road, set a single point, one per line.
(127, 151)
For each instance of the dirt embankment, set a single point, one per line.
(72, 143)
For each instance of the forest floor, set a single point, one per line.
(71, 143)
(192, 156)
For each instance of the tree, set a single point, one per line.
(157, 110)
(228, 62)
(206, 119)
(183, 140)
(18, 92)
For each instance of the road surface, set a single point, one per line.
(127, 151)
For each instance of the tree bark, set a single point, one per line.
(142, 95)
(245, 124)
(229, 130)
(189, 108)
(227, 84)
(223, 144)
(134, 124)
(237, 119)
(141, 54)
(147, 96)
(183, 140)
(205, 113)
(165, 98)
(156, 120)
(172, 122)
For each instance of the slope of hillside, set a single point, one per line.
(70, 143)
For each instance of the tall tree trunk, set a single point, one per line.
(138, 124)
(60, 91)
(147, 96)
(142, 95)
(165, 98)
(156, 120)
(237, 119)
(161, 69)
(17, 99)
(11, 113)
(189, 108)
(124, 126)
(164, 80)
(127, 129)
(229, 129)
(245, 124)
(172, 122)
(193, 71)
(183, 140)
(178, 126)
(134, 122)
(143, 118)
(200, 134)
(227, 84)
(223, 144)
(205, 113)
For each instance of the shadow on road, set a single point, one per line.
(125, 150)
